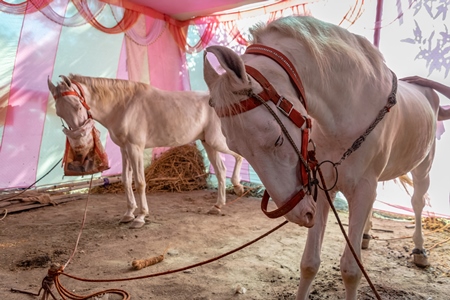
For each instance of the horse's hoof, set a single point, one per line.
(239, 189)
(214, 210)
(136, 224)
(366, 241)
(126, 219)
(421, 261)
(420, 258)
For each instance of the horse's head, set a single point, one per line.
(69, 102)
(264, 134)
(72, 108)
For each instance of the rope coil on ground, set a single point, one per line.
(55, 271)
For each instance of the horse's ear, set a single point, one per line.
(230, 61)
(209, 74)
(66, 80)
(51, 86)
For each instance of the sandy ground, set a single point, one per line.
(268, 269)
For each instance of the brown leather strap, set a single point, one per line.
(268, 94)
(286, 107)
(240, 107)
(83, 101)
(284, 62)
(284, 209)
(68, 93)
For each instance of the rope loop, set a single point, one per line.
(323, 187)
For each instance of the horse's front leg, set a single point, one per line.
(127, 185)
(360, 205)
(366, 235)
(310, 262)
(220, 169)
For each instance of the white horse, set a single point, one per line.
(303, 79)
(139, 116)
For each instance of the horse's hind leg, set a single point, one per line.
(127, 181)
(220, 169)
(236, 176)
(421, 182)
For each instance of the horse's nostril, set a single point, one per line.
(309, 217)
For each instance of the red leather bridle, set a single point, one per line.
(287, 108)
(79, 95)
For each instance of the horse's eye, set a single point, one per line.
(279, 141)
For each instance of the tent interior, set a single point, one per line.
(162, 43)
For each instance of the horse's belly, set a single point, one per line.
(410, 128)
(408, 153)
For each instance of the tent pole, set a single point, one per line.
(376, 35)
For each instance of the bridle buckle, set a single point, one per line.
(285, 106)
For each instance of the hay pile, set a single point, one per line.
(109, 188)
(436, 224)
(177, 169)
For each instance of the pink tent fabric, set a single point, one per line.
(44, 38)
(120, 39)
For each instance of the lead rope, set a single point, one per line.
(283, 128)
(82, 224)
(55, 271)
(392, 100)
(344, 233)
(324, 188)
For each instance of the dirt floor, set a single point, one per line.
(269, 269)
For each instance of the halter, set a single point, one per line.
(287, 108)
(79, 95)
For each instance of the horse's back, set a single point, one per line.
(180, 108)
(173, 118)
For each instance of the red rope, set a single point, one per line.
(55, 271)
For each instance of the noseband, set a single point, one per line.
(287, 108)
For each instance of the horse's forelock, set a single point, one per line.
(223, 95)
(60, 88)
(225, 91)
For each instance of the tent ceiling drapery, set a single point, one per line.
(188, 9)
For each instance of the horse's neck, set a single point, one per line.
(341, 98)
(346, 105)
(101, 110)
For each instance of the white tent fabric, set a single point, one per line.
(414, 41)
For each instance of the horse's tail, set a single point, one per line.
(444, 113)
(405, 181)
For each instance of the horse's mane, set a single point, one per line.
(327, 43)
(107, 89)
